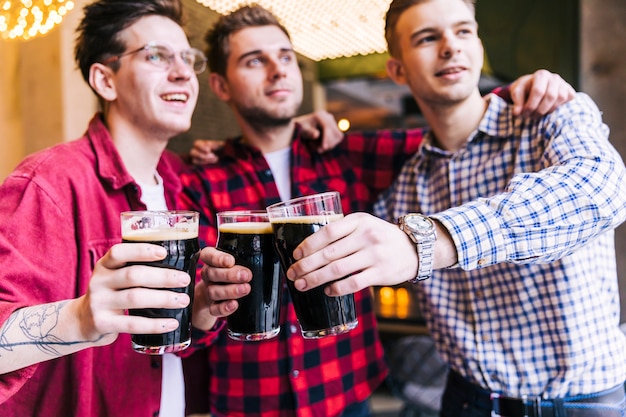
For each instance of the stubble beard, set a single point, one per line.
(262, 119)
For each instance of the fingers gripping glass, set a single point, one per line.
(163, 57)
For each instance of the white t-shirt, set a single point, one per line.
(280, 164)
(172, 383)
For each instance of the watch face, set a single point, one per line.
(420, 223)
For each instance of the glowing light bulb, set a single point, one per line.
(343, 124)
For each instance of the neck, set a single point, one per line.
(452, 124)
(139, 152)
(267, 138)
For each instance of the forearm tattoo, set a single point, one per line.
(37, 325)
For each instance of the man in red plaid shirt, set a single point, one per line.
(254, 69)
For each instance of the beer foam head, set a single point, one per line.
(146, 235)
(165, 225)
(246, 228)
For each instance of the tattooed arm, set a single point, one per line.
(38, 333)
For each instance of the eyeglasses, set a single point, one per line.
(163, 57)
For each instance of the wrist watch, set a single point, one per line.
(421, 230)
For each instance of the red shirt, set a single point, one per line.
(60, 214)
(289, 375)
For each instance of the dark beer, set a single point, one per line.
(252, 245)
(183, 251)
(318, 314)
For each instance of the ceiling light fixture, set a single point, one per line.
(324, 29)
(25, 19)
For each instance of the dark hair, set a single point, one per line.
(396, 9)
(98, 32)
(218, 37)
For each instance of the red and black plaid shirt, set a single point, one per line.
(289, 375)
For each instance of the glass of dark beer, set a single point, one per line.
(292, 221)
(247, 235)
(176, 231)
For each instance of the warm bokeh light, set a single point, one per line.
(394, 302)
(325, 29)
(402, 303)
(387, 295)
(402, 297)
(343, 124)
(26, 19)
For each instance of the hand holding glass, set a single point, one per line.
(177, 232)
(247, 235)
(292, 221)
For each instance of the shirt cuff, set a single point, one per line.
(477, 235)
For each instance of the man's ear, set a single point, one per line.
(219, 86)
(101, 81)
(395, 70)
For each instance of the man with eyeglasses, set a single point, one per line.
(162, 56)
(65, 348)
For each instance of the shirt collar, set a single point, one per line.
(237, 149)
(496, 122)
(111, 168)
(108, 161)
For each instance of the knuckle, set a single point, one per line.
(100, 324)
(117, 251)
(132, 298)
(351, 285)
(329, 232)
(134, 327)
(132, 276)
(371, 235)
(329, 252)
(215, 293)
(338, 269)
(222, 309)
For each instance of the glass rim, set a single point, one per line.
(159, 213)
(310, 197)
(242, 216)
(242, 212)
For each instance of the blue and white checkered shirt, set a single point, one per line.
(533, 308)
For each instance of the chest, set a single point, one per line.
(481, 170)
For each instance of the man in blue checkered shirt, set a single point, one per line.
(515, 258)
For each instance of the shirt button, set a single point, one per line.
(293, 329)
(268, 173)
(482, 262)
(295, 374)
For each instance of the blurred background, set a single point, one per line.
(341, 52)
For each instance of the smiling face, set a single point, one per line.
(263, 82)
(439, 55)
(145, 99)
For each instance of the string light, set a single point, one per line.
(324, 29)
(25, 19)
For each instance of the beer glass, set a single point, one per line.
(247, 235)
(292, 221)
(177, 232)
